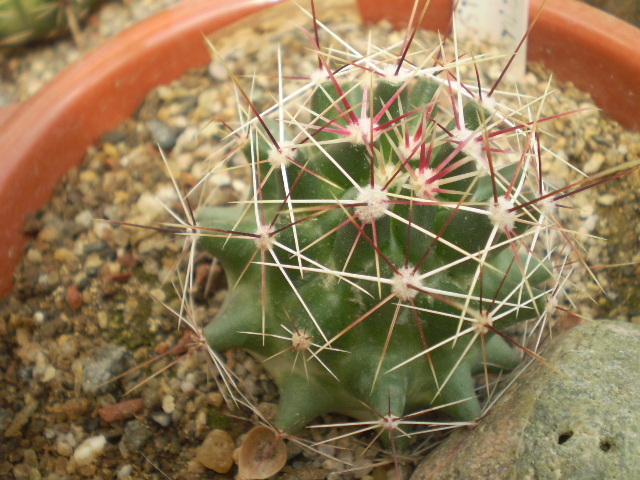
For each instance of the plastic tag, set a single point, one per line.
(504, 22)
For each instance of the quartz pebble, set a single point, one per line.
(89, 450)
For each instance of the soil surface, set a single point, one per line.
(90, 350)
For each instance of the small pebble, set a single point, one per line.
(102, 229)
(84, 219)
(162, 134)
(106, 363)
(135, 436)
(65, 443)
(124, 471)
(214, 399)
(74, 297)
(216, 452)
(122, 410)
(89, 450)
(33, 255)
(607, 200)
(161, 418)
(594, 164)
(168, 404)
(217, 70)
(22, 417)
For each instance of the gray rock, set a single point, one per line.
(136, 434)
(577, 418)
(107, 362)
(162, 134)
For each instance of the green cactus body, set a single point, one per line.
(388, 242)
(22, 21)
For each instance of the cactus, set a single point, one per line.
(22, 21)
(398, 225)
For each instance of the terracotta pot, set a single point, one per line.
(41, 139)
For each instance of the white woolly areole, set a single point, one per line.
(319, 76)
(301, 341)
(424, 185)
(402, 283)
(484, 322)
(360, 132)
(389, 74)
(489, 103)
(265, 239)
(547, 206)
(500, 215)
(412, 150)
(552, 303)
(390, 422)
(375, 204)
(282, 157)
(473, 147)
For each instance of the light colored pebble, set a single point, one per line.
(161, 418)
(187, 386)
(88, 177)
(214, 399)
(49, 234)
(33, 255)
(216, 452)
(594, 164)
(607, 200)
(65, 443)
(49, 373)
(201, 418)
(124, 471)
(103, 320)
(89, 450)
(64, 255)
(102, 229)
(168, 404)
(84, 219)
(158, 294)
(217, 70)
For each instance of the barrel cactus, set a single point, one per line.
(22, 21)
(398, 224)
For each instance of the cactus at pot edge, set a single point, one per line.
(22, 21)
(396, 227)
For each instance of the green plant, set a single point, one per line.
(398, 225)
(22, 21)
(395, 230)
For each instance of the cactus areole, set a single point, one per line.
(393, 233)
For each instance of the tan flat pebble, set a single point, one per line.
(216, 452)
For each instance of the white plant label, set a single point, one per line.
(500, 21)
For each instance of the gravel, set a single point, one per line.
(86, 284)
